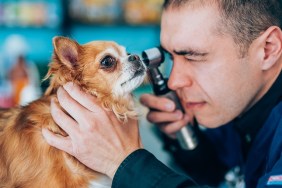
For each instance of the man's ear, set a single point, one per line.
(272, 45)
(66, 50)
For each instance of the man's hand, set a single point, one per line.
(163, 114)
(96, 138)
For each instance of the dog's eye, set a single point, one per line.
(108, 62)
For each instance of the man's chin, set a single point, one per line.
(211, 123)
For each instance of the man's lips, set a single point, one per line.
(194, 104)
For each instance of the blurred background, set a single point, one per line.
(28, 26)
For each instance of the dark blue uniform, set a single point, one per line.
(252, 142)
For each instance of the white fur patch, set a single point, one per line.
(111, 51)
(126, 83)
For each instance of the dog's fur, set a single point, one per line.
(101, 68)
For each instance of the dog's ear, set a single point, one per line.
(66, 50)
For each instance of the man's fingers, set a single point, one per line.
(62, 119)
(161, 117)
(172, 128)
(86, 100)
(84, 114)
(157, 103)
(74, 108)
(60, 142)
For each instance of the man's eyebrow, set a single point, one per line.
(185, 52)
(190, 53)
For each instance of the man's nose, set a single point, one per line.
(179, 77)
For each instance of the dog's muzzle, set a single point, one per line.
(133, 58)
(138, 65)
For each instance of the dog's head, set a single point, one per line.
(102, 68)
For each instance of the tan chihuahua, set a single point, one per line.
(101, 68)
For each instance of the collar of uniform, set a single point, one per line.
(250, 122)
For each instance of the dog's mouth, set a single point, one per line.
(136, 74)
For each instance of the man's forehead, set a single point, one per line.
(177, 4)
(191, 34)
(203, 20)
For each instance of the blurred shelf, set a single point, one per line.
(134, 38)
(38, 21)
(31, 13)
(39, 41)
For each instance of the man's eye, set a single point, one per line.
(189, 59)
(108, 62)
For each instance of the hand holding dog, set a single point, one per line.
(96, 138)
(163, 114)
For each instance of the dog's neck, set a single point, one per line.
(120, 106)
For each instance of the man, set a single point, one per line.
(226, 71)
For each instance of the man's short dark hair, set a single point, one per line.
(243, 19)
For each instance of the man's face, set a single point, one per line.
(211, 78)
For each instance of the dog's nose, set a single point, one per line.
(132, 58)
